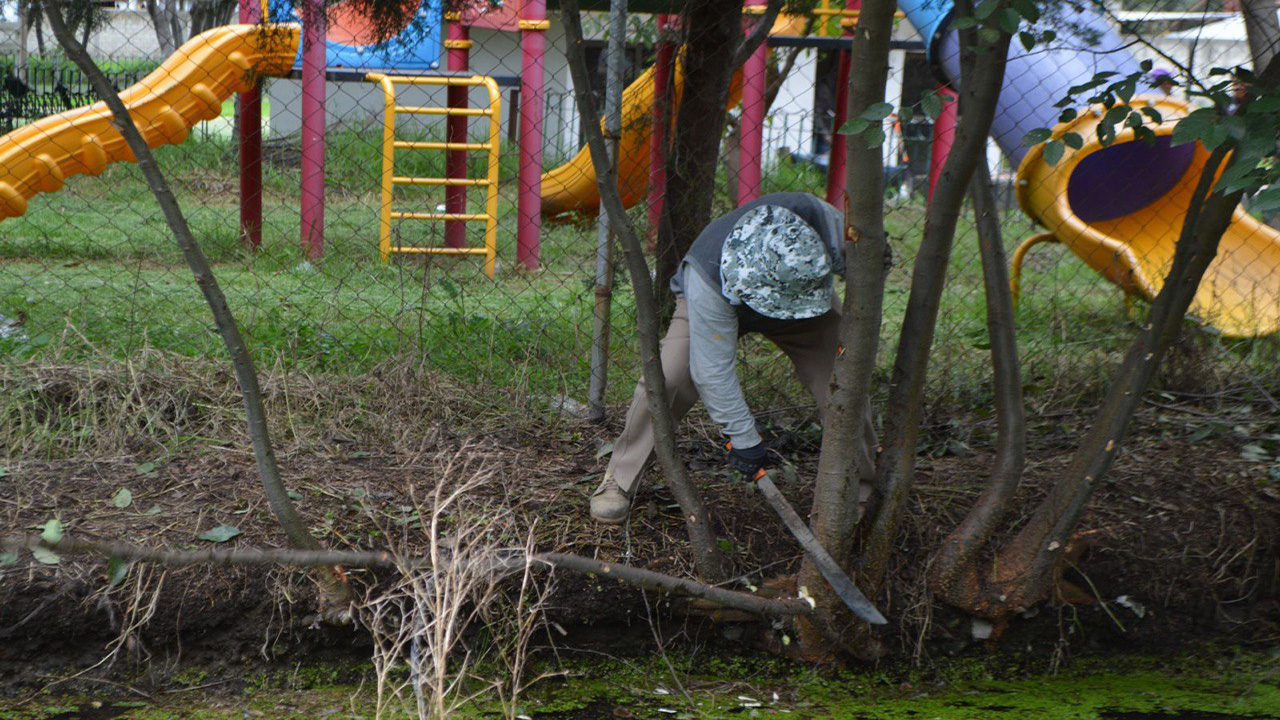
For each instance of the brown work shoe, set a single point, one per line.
(609, 503)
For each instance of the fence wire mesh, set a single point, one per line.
(91, 270)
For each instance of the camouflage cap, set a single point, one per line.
(775, 262)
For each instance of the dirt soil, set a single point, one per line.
(1181, 539)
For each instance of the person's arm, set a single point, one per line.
(713, 357)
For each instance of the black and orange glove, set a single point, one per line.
(750, 461)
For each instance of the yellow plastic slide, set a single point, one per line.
(189, 87)
(571, 188)
(1240, 293)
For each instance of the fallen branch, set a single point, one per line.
(502, 563)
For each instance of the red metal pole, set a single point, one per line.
(533, 44)
(455, 196)
(751, 142)
(836, 155)
(249, 132)
(661, 124)
(944, 135)
(313, 127)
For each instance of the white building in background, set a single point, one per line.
(1198, 42)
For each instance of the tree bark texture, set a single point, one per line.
(242, 363)
(836, 488)
(958, 554)
(1023, 571)
(1262, 28)
(707, 557)
(713, 32)
(982, 75)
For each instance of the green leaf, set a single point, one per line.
(8, 558)
(145, 468)
(1053, 152)
(853, 126)
(1153, 114)
(1068, 115)
(905, 114)
(1009, 20)
(222, 533)
(931, 104)
(1072, 140)
(117, 570)
(152, 511)
(1116, 114)
(123, 498)
(1193, 127)
(985, 8)
(1047, 36)
(1266, 201)
(989, 35)
(51, 531)
(877, 112)
(1027, 39)
(1027, 9)
(293, 494)
(1036, 136)
(45, 556)
(964, 23)
(874, 136)
(605, 449)
(1265, 104)
(1106, 134)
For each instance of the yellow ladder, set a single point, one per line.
(390, 179)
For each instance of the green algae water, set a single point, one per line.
(1124, 688)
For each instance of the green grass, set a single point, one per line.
(92, 270)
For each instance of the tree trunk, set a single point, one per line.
(958, 555)
(246, 374)
(713, 30)
(209, 14)
(159, 11)
(24, 28)
(707, 557)
(1262, 28)
(982, 75)
(836, 488)
(1023, 572)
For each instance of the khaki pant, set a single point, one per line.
(810, 344)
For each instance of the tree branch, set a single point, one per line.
(706, 553)
(245, 372)
(960, 548)
(501, 563)
(758, 33)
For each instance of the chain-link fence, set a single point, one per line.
(90, 269)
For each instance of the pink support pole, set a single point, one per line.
(455, 196)
(313, 127)
(944, 135)
(837, 155)
(661, 125)
(751, 144)
(249, 132)
(533, 45)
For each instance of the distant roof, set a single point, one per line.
(1128, 16)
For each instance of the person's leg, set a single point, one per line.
(812, 346)
(632, 449)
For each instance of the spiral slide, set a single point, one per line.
(190, 86)
(1120, 207)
